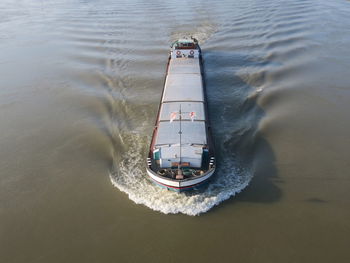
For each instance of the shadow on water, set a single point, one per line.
(235, 116)
(316, 200)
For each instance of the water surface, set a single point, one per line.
(79, 92)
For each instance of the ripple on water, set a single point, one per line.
(250, 47)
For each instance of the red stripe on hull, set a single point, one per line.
(174, 187)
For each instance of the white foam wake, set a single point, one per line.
(130, 177)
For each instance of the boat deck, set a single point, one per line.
(183, 97)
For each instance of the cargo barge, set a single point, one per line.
(181, 155)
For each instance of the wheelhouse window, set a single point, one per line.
(185, 46)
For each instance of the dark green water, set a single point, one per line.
(80, 83)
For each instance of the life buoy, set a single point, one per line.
(191, 52)
(178, 53)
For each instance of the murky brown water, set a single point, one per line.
(80, 83)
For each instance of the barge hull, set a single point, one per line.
(180, 186)
(181, 155)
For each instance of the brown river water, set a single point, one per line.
(80, 84)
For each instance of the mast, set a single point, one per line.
(180, 133)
